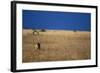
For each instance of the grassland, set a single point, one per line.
(56, 46)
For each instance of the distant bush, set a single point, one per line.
(74, 30)
(43, 30)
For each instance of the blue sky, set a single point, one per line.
(54, 20)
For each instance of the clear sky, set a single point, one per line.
(54, 20)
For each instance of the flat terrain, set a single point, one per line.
(56, 46)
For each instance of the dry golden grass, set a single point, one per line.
(56, 46)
